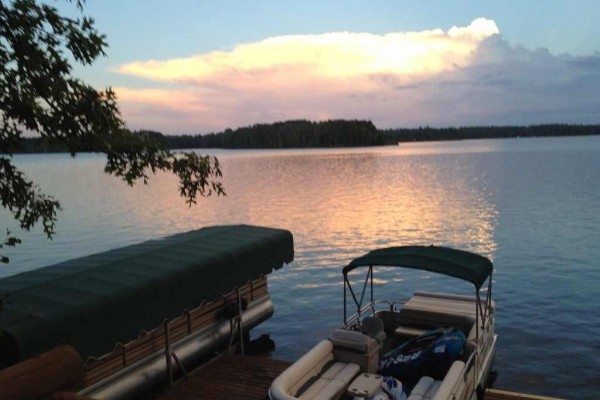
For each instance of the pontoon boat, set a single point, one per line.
(434, 346)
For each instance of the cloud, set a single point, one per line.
(330, 56)
(503, 85)
(465, 76)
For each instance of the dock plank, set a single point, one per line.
(496, 394)
(231, 375)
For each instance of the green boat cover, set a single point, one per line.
(443, 260)
(94, 302)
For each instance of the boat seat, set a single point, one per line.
(425, 389)
(373, 326)
(425, 311)
(316, 375)
(355, 347)
(332, 382)
(405, 332)
(351, 340)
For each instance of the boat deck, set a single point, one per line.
(249, 378)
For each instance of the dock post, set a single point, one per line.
(168, 352)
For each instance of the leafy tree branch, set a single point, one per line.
(39, 95)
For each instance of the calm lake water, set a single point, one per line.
(531, 205)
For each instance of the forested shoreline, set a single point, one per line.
(332, 133)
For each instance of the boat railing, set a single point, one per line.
(397, 305)
(371, 308)
(367, 309)
(470, 362)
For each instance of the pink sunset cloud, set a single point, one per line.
(433, 77)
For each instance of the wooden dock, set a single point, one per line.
(239, 377)
(231, 376)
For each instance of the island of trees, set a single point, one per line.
(331, 133)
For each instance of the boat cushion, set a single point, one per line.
(294, 377)
(351, 340)
(425, 389)
(446, 389)
(319, 363)
(314, 376)
(355, 347)
(342, 372)
(315, 387)
(439, 310)
(332, 381)
(324, 389)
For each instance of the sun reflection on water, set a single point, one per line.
(337, 205)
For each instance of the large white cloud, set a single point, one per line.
(467, 75)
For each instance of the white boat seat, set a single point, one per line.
(425, 389)
(332, 383)
(316, 375)
(351, 340)
(432, 310)
(355, 347)
(446, 389)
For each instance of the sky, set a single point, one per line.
(190, 67)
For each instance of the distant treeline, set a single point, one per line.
(393, 136)
(333, 133)
(288, 134)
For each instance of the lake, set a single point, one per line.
(531, 205)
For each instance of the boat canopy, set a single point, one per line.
(457, 263)
(97, 301)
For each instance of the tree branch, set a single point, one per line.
(38, 94)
